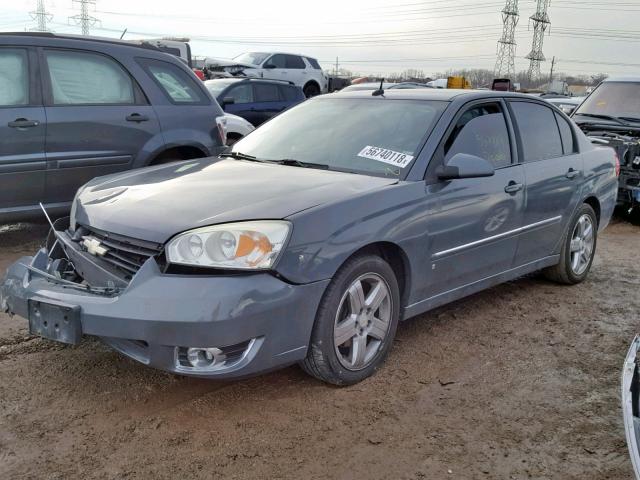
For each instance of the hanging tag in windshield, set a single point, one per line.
(385, 155)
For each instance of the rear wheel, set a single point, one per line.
(578, 249)
(356, 322)
(311, 90)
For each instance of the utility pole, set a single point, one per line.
(83, 18)
(336, 66)
(553, 64)
(540, 24)
(505, 63)
(41, 17)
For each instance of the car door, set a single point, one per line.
(243, 102)
(275, 67)
(553, 169)
(296, 70)
(473, 223)
(267, 101)
(22, 130)
(97, 119)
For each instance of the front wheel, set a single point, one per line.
(578, 249)
(356, 322)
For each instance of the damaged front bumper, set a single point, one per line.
(631, 403)
(251, 323)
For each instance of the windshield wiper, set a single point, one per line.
(240, 156)
(291, 162)
(631, 119)
(603, 117)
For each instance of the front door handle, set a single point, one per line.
(23, 123)
(136, 117)
(513, 187)
(571, 173)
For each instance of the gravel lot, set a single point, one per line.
(520, 381)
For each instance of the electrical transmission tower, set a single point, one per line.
(41, 17)
(540, 24)
(505, 63)
(83, 18)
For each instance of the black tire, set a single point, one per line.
(311, 90)
(322, 359)
(563, 272)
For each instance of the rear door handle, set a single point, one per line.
(136, 117)
(513, 187)
(23, 123)
(571, 173)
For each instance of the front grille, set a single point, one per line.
(124, 255)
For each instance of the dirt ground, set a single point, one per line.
(520, 381)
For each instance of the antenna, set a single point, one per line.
(540, 23)
(83, 18)
(41, 16)
(380, 90)
(505, 63)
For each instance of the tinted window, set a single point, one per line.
(538, 131)
(87, 78)
(294, 61)
(14, 77)
(330, 131)
(566, 134)
(266, 92)
(314, 63)
(481, 131)
(175, 82)
(290, 94)
(279, 61)
(241, 93)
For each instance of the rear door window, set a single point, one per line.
(241, 93)
(79, 78)
(266, 92)
(14, 77)
(538, 130)
(314, 63)
(481, 131)
(566, 134)
(290, 94)
(294, 61)
(176, 84)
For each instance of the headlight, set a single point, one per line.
(245, 245)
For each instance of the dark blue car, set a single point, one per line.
(256, 100)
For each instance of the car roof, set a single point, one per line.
(84, 38)
(442, 94)
(623, 78)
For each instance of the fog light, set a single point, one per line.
(205, 357)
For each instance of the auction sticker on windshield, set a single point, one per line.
(385, 155)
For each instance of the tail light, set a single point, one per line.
(615, 154)
(221, 123)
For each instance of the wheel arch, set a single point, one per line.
(181, 152)
(312, 82)
(594, 203)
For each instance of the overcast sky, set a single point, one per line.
(367, 36)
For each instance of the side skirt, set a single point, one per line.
(471, 288)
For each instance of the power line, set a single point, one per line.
(505, 63)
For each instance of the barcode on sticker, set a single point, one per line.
(385, 155)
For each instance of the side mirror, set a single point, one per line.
(228, 101)
(463, 165)
(269, 66)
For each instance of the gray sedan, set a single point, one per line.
(319, 232)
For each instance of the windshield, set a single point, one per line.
(374, 136)
(254, 58)
(616, 99)
(216, 86)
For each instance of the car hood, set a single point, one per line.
(156, 203)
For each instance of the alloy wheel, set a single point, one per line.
(362, 321)
(582, 242)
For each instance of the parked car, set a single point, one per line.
(256, 100)
(79, 107)
(319, 232)
(303, 71)
(236, 128)
(610, 115)
(563, 102)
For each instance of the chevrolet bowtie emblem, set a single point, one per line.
(93, 246)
